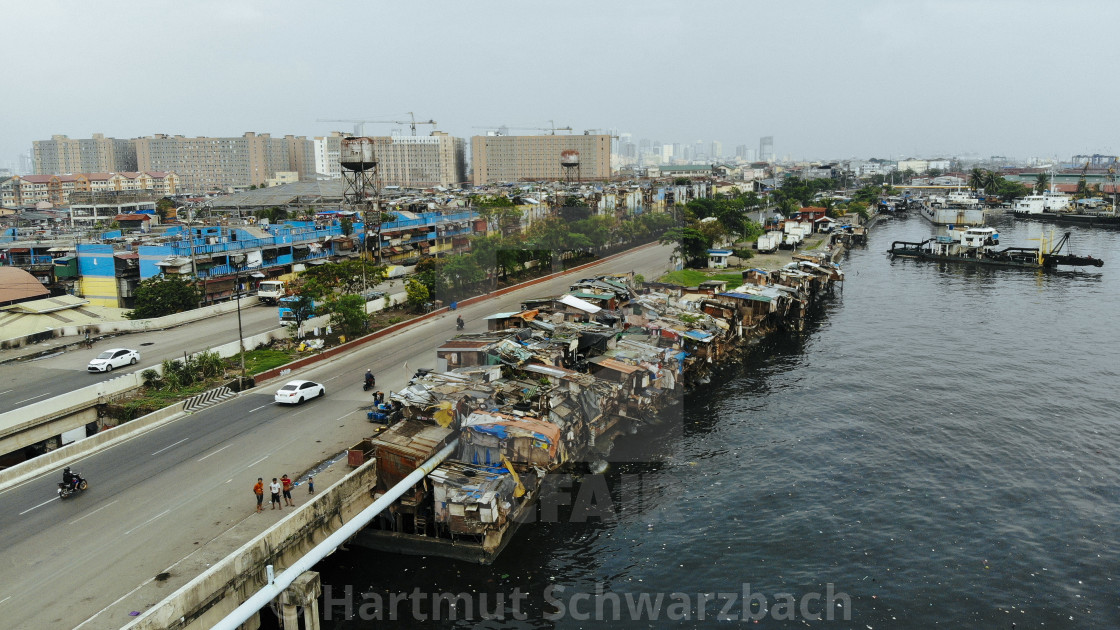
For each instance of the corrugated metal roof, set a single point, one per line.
(747, 296)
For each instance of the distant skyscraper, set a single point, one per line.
(666, 153)
(717, 150)
(741, 151)
(766, 149)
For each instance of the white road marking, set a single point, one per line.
(5, 392)
(93, 512)
(216, 452)
(146, 522)
(258, 408)
(38, 506)
(250, 465)
(5, 599)
(167, 447)
(142, 585)
(32, 398)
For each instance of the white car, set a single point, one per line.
(115, 358)
(295, 392)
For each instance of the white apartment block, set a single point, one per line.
(420, 161)
(327, 152)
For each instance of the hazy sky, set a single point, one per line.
(828, 79)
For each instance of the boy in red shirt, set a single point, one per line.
(287, 484)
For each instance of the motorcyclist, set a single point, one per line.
(69, 478)
(370, 380)
(459, 323)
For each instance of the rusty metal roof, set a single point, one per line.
(413, 439)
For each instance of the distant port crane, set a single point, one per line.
(360, 124)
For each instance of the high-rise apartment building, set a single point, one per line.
(766, 149)
(327, 151)
(223, 163)
(421, 161)
(514, 158)
(717, 150)
(61, 155)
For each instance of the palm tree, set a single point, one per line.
(976, 180)
(992, 181)
(1042, 182)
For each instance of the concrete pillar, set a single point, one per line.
(304, 591)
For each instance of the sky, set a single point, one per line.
(827, 79)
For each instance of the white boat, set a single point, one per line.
(959, 207)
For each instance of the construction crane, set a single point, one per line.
(552, 128)
(360, 129)
(1082, 186)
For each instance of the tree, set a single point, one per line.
(164, 207)
(347, 226)
(348, 312)
(977, 179)
(417, 293)
(691, 244)
(1042, 182)
(461, 271)
(165, 295)
(303, 309)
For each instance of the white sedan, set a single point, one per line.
(295, 392)
(115, 358)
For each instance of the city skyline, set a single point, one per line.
(827, 81)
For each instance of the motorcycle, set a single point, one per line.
(369, 384)
(460, 324)
(65, 489)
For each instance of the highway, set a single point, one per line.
(26, 382)
(179, 497)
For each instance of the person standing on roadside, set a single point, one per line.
(274, 487)
(259, 491)
(286, 484)
(310, 485)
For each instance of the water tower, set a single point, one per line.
(569, 161)
(359, 189)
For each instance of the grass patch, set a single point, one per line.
(257, 361)
(692, 277)
(684, 277)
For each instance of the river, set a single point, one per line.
(937, 450)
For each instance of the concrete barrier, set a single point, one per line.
(76, 450)
(130, 325)
(208, 598)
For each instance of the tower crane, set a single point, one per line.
(359, 124)
(552, 128)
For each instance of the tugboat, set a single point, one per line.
(977, 246)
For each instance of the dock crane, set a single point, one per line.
(359, 124)
(552, 128)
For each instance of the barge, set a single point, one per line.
(548, 388)
(978, 246)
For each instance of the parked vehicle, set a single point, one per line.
(295, 392)
(115, 358)
(270, 291)
(768, 242)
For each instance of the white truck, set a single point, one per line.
(270, 291)
(768, 242)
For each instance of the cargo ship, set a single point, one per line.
(979, 246)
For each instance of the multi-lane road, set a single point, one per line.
(179, 497)
(26, 382)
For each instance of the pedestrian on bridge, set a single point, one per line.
(259, 491)
(286, 482)
(274, 487)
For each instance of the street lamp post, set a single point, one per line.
(240, 334)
